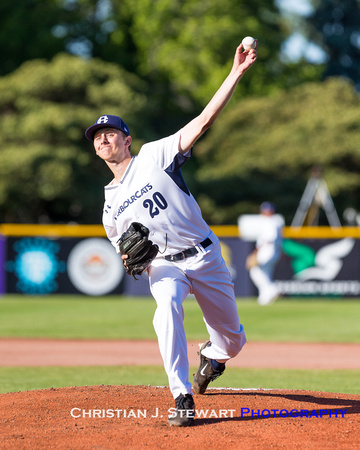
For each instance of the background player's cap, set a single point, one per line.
(267, 206)
(107, 121)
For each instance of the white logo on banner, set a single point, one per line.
(328, 261)
(94, 267)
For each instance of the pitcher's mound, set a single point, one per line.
(110, 417)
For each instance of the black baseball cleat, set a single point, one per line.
(205, 372)
(184, 412)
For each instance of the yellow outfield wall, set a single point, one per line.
(17, 230)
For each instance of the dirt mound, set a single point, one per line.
(110, 417)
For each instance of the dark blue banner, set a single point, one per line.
(90, 266)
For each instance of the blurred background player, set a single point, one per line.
(262, 261)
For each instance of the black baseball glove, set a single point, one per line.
(140, 250)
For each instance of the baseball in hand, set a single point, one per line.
(248, 43)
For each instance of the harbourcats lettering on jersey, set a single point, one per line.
(137, 195)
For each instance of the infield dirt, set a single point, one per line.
(133, 417)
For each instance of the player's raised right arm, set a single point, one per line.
(191, 132)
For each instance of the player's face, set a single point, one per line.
(267, 212)
(111, 144)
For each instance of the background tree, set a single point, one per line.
(182, 49)
(264, 148)
(27, 31)
(157, 64)
(336, 28)
(48, 169)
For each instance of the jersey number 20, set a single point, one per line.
(157, 202)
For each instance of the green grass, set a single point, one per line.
(80, 317)
(13, 379)
(77, 317)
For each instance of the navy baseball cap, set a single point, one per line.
(107, 121)
(267, 206)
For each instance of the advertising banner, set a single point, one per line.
(319, 267)
(2, 264)
(37, 265)
(90, 266)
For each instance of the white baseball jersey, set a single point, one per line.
(269, 244)
(269, 241)
(152, 191)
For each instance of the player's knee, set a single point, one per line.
(236, 343)
(170, 305)
(169, 315)
(235, 349)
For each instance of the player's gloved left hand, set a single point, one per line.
(141, 251)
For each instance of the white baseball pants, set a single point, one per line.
(206, 276)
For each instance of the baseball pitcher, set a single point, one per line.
(156, 225)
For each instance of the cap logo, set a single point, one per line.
(103, 119)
